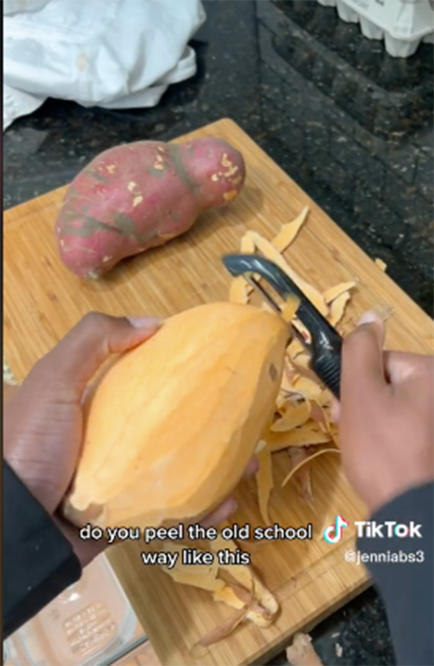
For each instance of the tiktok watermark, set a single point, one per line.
(388, 530)
(359, 557)
(370, 529)
(334, 532)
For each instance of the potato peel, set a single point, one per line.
(238, 597)
(308, 435)
(247, 246)
(223, 630)
(381, 264)
(306, 385)
(290, 308)
(337, 308)
(242, 583)
(289, 231)
(294, 416)
(270, 252)
(303, 361)
(295, 469)
(203, 577)
(238, 291)
(333, 292)
(319, 415)
(246, 576)
(203, 581)
(303, 476)
(295, 348)
(302, 369)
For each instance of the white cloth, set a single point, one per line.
(110, 53)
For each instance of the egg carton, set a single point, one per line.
(403, 24)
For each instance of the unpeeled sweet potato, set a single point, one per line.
(140, 195)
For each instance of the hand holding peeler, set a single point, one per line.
(326, 343)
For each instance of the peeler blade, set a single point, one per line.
(326, 341)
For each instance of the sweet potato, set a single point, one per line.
(140, 195)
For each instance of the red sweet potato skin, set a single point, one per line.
(140, 195)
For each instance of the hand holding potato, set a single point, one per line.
(43, 419)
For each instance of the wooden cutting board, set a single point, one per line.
(42, 300)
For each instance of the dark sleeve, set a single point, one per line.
(407, 587)
(38, 562)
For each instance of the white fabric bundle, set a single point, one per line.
(110, 53)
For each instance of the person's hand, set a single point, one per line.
(43, 418)
(386, 418)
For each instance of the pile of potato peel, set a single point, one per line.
(301, 425)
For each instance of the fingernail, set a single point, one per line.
(145, 322)
(369, 317)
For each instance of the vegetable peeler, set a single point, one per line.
(326, 343)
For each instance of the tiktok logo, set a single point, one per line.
(333, 533)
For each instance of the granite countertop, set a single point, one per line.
(351, 125)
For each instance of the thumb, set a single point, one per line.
(362, 357)
(79, 354)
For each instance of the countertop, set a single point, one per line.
(346, 121)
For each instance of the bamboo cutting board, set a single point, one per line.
(43, 300)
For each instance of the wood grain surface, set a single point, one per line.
(42, 300)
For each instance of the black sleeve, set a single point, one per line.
(38, 562)
(407, 587)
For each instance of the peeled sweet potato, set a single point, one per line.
(140, 195)
(174, 422)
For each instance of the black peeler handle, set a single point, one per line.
(326, 341)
